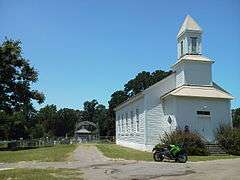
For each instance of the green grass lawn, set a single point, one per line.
(209, 158)
(56, 153)
(119, 152)
(41, 174)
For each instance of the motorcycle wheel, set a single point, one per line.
(158, 157)
(182, 158)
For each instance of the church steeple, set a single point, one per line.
(191, 67)
(189, 38)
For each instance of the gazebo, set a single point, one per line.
(84, 135)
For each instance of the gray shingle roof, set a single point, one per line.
(199, 91)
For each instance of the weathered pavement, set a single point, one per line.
(96, 166)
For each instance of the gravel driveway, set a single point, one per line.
(96, 166)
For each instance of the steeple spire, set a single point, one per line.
(189, 38)
(189, 24)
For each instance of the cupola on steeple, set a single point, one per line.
(191, 67)
(189, 38)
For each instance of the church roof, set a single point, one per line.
(189, 24)
(199, 91)
(195, 57)
(141, 94)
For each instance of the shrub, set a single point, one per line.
(193, 143)
(229, 139)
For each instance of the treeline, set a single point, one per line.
(236, 117)
(49, 122)
(19, 119)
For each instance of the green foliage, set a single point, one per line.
(37, 131)
(57, 122)
(236, 117)
(4, 126)
(134, 86)
(47, 117)
(101, 119)
(20, 120)
(117, 98)
(66, 122)
(193, 143)
(89, 111)
(46, 154)
(229, 139)
(143, 80)
(17, 114)
(119, 152)
(41, 174)
(210, 158)
(94, 112)
(16, 78)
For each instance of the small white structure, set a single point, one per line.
(186, 98)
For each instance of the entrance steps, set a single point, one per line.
(215, 149)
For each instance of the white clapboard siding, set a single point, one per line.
(198, 73)
(180, 79)
(186, 114)
(132, 138)
(155, 117)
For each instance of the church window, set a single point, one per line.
(181, 48)
(194, 44)
(126, 116)
(204, 113)
(122, 123)
(137, 120)
(118, 124)
(131, 120)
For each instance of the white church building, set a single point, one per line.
(186, 98)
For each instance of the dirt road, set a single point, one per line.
(96, 166)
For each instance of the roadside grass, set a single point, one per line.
(211, 157)
(118, 152)
(47, 154)
(41, 174)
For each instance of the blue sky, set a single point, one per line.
(88, 49)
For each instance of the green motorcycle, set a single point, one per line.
(172, 152)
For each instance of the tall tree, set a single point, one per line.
(96, 113)
(66, 122)
(18, 126)
(143, 80)
(138, 84)
(236, 117)
(47, 117)
(101, 118)
(16, 78)
(89, 108)
(4, 126)
(158, 75)
(117, 98)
